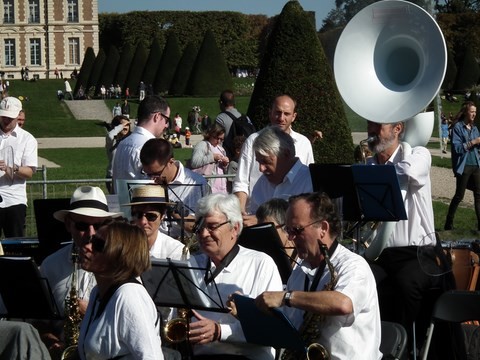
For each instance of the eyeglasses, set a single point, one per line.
(210, 228)
(150, 216)
(154, 175)
(162, 114)
(98, 244)
(83, 226)
(297, 230)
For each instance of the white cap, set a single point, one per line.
(10, 107)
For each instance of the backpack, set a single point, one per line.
(241, 126)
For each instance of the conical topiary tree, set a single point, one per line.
(109, 69)
(184, 69)
(210, 74)
(153, 62)
(124, 63)
(136, 68)
(96, 72)
(85, 70)
(168, 64)
(295, 64)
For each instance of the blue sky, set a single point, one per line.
(266, 7)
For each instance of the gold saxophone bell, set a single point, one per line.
(176, 330)
(70, 353)
(316, 351)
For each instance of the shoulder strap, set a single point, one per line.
(109, 294)
(233, 117)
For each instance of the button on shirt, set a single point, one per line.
(126, 163)
(20, 148)
(297, 181)
(413, 172)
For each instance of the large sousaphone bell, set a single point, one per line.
(389, 64)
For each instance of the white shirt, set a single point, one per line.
(126, 163)
(24, 145)
(57, 268)
(248, 168)
(166, 247)
(413, 172)
(187, 188)
(251, 273)
(353, 336)
(128, 327)
(296, 181)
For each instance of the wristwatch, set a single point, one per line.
(287, 297)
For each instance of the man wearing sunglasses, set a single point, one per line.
(149, 206)
(342, 303)
(87, 213)
(153, 119)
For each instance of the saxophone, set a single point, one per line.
(309, 328)
(72, 315)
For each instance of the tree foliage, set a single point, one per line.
(168, 64)
(468, 72)
(153, 62)
(96, 72)
(295, 64)
(240, 37)
(85, 69)
(109, 69)
(124, 63)
(136, 68)
(210, 74)
(183, 71)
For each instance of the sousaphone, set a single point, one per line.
(389, 65)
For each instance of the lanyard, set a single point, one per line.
(320, 269)
(223, 264)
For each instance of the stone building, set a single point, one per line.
(44, 35)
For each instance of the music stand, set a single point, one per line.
(25, 293)
(175, 283)
(264, 237)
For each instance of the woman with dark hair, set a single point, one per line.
(121, 318)
(210, 158)
(465, 161)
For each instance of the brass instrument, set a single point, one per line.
(309, 330)
(176, 330)
(73, 317)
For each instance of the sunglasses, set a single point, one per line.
(98, 244)
(210, 228)
(150, 216)
(298, 230)
(83, 226)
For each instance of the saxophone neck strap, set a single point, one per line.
(320, 269)
(223, 264)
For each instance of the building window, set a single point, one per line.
(74, 51)
(33, 11)
(8, 12)
(72, 10)
(35, 52)
(10, 52)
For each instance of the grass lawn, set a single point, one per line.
(48, 117)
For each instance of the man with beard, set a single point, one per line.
(401, 279)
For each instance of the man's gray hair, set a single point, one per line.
(274, 141)
(228, 205)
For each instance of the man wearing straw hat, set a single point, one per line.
(149, 206)
(87, 213)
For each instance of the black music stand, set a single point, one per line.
(25, 293)
(174, 283)
(264, 237)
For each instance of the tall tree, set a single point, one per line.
(295, 64)
(96, 72)
(153, 62)
(109, 69)
(136, 68)
(85, 70)
(469, 72)
(168, 64)
(210, 74)
(124, 63)
(183, 71)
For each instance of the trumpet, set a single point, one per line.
(362, 152)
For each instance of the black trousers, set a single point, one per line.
(12, 220)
